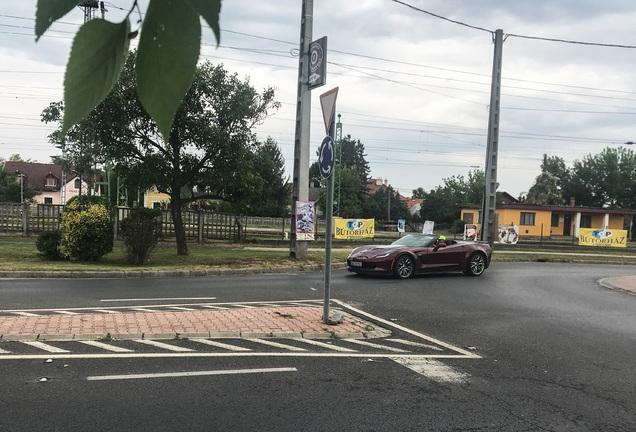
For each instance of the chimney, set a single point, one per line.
(572, 201)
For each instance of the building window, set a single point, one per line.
(51, 181)
(527, 218)
(78, 183)
(48, 200)
(586, 221)
(555, 220)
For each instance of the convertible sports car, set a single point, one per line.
(419, 253)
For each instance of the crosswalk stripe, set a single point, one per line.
(45, 347)
(275, 344)
(25, 314)
(378, 346)
(109, 311)
(417, 344)
(65, 312)
(326, 345)
(163, 345)
(220, 345)
(181, 308)
(213, 307)
(144, 310)
(106, 347)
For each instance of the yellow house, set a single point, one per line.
(155, 199)
(549, 220)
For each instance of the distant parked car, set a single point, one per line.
(419, 253)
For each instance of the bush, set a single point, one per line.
(48, 243)
(141, 231)
(87, 228)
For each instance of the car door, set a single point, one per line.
(448, 257)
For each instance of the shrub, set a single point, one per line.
(48, 243)
(141, 231)
(87, 228)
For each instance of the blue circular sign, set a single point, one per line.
(326, 158)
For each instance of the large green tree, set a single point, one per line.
(209, 147)
(10, 188)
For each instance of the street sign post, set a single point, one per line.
(317, 63)
(326, 157)
(328, 106)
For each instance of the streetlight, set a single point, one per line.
(21, 185)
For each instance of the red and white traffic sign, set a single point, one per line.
(328, 105)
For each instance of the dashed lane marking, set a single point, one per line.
(220, 345)
(106, 347)
(25, 314)
(108, 311)
(4, 351)
(45, 347)
(163, 345)
(275, 344)
(65, 312)
(377, 346)
(144, 310)
(181, 308)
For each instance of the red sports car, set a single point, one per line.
(420, 253)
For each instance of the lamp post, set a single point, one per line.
(21, 186)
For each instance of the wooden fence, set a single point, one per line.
(32, 219)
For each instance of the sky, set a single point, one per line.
(414, 82)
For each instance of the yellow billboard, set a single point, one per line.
(354, 228)
(602, 237)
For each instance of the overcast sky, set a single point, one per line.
(413, 88)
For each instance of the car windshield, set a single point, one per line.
(415, 240)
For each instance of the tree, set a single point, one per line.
(209, 146)
(546, 189)
(441, 204)
(18, 158)
(272, 191)
(377, 204)
(10, 188)
(168, 54)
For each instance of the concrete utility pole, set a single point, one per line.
(489, 203)
(300, 191)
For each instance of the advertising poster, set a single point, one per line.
(602, 237)
(428, 227)
(508, 234)
(354, 228)
(470, 232)
(401, 225)
(305, 220)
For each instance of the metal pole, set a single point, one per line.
(328, 233)
(300, 189)
(490, 170)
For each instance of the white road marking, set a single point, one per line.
(417, 344)
(45, 347)
(377, 346)
(433, 369)
(275, 344)
(143, 309)
(155, 299)
(214, 307)
(189, 374)
(220, 345)
(108, 311)
(65, 312)
(25, 314)
(106, 347)
(326, 345)
(163, 345)
(4, 351)
(181, 308)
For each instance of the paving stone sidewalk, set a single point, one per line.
(287, 321)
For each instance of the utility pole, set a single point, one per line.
(489, 203)
(300, 190)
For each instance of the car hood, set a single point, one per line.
(371, 251)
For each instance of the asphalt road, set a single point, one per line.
(554, 351)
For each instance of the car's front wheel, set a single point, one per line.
(476, 264)
(404, 267)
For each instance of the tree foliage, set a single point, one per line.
(209, 153)
(10, 188)
(168, 53)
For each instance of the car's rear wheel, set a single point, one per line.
(476, 264)
(404, 267)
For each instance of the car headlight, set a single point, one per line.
(385, 253)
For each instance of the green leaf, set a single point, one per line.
(49, 11)
(167, 59)
(97, 58)
(210, 10)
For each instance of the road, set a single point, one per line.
(546, 348)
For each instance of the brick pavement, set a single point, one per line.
(287, 321)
